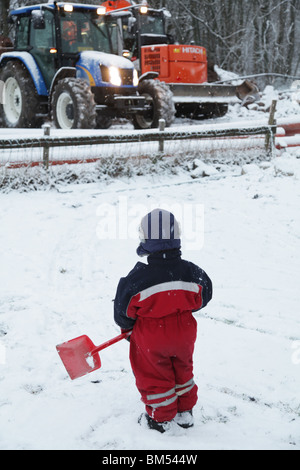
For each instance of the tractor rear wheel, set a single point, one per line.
(19, 96)
(159, 99)
(73, 105)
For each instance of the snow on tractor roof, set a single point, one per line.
(28, 8)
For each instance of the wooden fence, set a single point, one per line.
(16, 152)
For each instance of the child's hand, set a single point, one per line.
(129, 331)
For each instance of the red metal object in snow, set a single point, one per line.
(80, 355)
(291, 127)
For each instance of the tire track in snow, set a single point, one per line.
(236, 324)
(280, 406)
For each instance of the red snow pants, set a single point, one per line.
(161, 356)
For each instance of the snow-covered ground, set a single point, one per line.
(62, 254)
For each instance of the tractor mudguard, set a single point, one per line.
(63, 72)
(88, 68)
(30, 65)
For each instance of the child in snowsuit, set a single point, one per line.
(156, 301)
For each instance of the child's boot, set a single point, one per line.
(185, 419)
(152, 424)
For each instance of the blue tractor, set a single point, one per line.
(64, 64)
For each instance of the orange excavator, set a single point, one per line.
(182, 69)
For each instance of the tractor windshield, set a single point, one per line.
(143, 30)
(83, 31)
(152, 24)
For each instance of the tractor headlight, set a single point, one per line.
(101, 10)
(135, 81)
(144, 8)
(68, 7)
(114, 76)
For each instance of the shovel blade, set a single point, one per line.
(77, 358)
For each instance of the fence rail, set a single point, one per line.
(158, 138)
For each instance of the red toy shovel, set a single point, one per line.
(80, 355)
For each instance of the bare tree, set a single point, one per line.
(257, 36)
(4, 9)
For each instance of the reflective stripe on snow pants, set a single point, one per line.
(185, 388)
(167, 398)
(171, 395)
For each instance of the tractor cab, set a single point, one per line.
(139, 26)
(56, 36)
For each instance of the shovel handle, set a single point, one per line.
(110, 342)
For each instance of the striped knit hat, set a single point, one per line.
(159, 231)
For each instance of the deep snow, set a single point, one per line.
(58, 278)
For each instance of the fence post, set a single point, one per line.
(162, 125)
(46, 128)
(270, 136)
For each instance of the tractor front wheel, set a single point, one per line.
(159, 105)
(73, 105)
